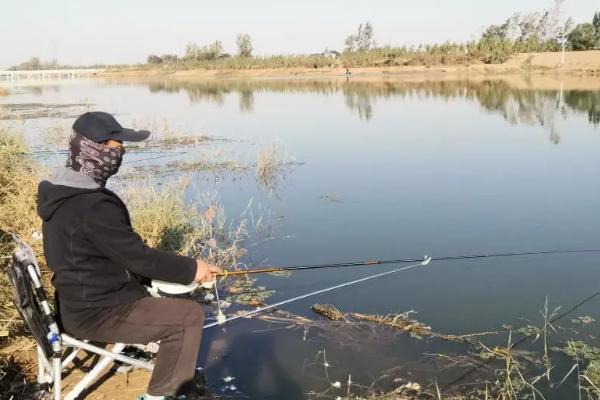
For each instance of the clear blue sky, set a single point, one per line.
(126, 31)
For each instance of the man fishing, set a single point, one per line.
(99, 262)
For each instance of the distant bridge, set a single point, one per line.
(48, 74)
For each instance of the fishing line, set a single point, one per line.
(179, 153)
(164, 154)
(521, 341)
(220, 316)
(423, 263)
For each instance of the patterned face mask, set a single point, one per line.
(95, 160)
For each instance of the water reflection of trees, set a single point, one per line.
(583, 101)
(361, 102)
(246, 100)
(517, 106)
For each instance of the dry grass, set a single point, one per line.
(271, 165)
(161, 216)
(18, 192)
(18, 186)
(56, 135)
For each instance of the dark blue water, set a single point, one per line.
(384, 170)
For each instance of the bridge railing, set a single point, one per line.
(49, 73)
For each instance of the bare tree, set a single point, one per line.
(244, 45)
(363, 39)
(350, 43)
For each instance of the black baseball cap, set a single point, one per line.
(99, 127)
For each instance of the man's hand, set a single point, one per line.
(206, 272)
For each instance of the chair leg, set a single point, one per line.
(94, 373)
(74, 353)
(112, 354)
(45, 369)
(57, 366)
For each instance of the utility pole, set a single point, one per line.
(562, 39)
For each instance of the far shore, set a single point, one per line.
(577, 64)
(542, 71)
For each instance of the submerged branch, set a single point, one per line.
(397, 321)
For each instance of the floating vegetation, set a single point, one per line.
(527, 330)
(164, 135)
(41, 110)
(590, 357)
(156, 141)
(210, 165)
(206, 165)
(580, 349)
(330, 198)
(243, 291)
(583, 320)
(402, 322)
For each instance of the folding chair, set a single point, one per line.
(52, 344)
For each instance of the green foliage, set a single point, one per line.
(493, 50)
(169, 58)
(34, 64)
(154, 59)
(244, 45)
(582, 350)
(209, 52)
(584, 37)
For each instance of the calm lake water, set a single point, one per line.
(381, 170)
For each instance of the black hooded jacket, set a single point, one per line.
(96, 257)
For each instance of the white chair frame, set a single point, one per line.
(50, 369)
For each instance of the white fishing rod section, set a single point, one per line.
(426, 260)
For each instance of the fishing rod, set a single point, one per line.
(221, 319)
(176, 289)
(262, 270)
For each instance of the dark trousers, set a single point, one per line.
(176, 323)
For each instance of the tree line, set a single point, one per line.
(542, 31)
(208, 52)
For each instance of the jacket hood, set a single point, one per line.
(51, 197)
